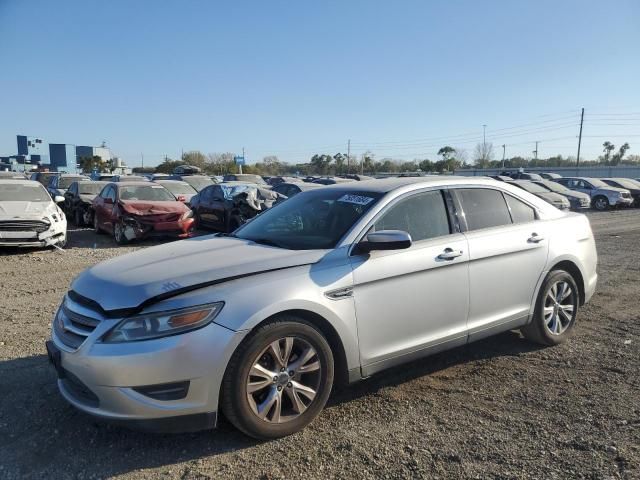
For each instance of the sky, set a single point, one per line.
(398, 78)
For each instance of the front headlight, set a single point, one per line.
(186, 215)
(163, 324)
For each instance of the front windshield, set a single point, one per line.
(598, 183)
(148, 193)
(624, 183)
(90, 188)
(532, 187)
(555, 187)
(179, 188)
(64, 182)
(198, 182)
(23, 193)
(311, 220)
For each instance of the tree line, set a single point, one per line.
(450, 159)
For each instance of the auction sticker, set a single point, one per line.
(357, 199)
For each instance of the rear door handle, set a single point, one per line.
(535, 238)
(449, 254)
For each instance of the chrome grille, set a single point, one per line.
(24, 226)
(72, 328)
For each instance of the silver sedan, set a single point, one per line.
(333, 285)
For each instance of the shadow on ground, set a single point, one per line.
(40, 434)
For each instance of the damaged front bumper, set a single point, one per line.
(140, 227)
(26, 233)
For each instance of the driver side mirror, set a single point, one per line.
(385, 240)
(108, 201)
(58, 199)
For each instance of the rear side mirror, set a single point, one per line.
(385, 240)
(182, 198)
(58, 199)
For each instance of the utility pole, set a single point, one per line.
(504, 149)
(580, 138)
(348, 155)
(536, 150)
(484, 142)
(240, 165)
(142, 157)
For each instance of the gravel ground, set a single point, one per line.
(499, 408)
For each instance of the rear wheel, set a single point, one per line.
(96, 225)
(600, 203)
(556, 310)
(278, 380)
(77, 217)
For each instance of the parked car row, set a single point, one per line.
(581, 192)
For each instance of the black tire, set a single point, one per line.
(234, 223)
(541, 326)
(600, 203)
(234, 399)
(96, 227)
(118, 234)
(77, 218)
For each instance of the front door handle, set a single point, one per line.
(535, 238)
(449, 254)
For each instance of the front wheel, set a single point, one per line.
(278, 380)
(118, 234)
(556, 309)
(600, 203)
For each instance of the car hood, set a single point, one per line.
(26, 210)
(611, 189)
(131, 281)
(134, 207)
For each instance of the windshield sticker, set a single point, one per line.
(357, 199)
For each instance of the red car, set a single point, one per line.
(135, 210)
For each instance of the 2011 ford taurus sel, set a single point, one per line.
(335, 284)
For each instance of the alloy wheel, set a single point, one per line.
(283, 380)
(601, 204)
(559, 307)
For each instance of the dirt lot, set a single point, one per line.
(500, 408)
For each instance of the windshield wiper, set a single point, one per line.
(266, 241)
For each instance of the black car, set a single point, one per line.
(289, 189)
(58, 184)
(226, 206)
(78, 198)
(523, 175)
(627, 183)
(198, 182)
(43, 177)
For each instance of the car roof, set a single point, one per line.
(167, 180)
(302, 185)
(17, 181)
(386, 185)
(132, 184)
(93, 182)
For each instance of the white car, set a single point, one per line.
(29, 217)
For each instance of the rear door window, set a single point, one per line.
(483, 208)
(423, 216)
